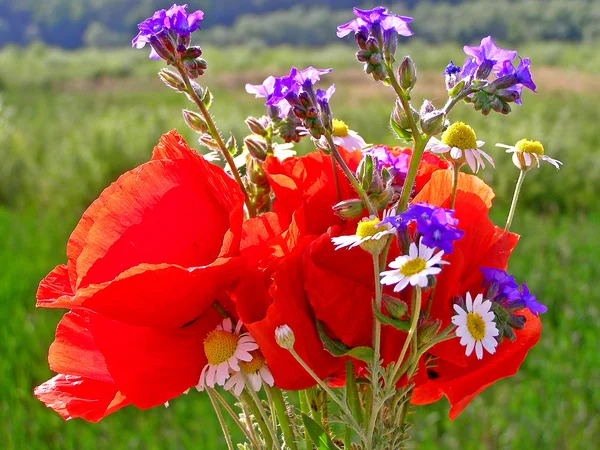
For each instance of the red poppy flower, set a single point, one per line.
(148, 258)
(458, 377)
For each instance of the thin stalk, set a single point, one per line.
(259, 415)
(441, 337)
(221, 420)
(403, 97)
(343, 407)
(245, 429)
(282, 415)
(338, 193)
(305, 408)
(351, 178)
(311, 396)
(455, 173)
(513, 205)
(376, 322)
(214, 132)
(347, 437)
(414, 317)
(249, 423)
(352, 393)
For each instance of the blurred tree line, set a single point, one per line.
(107, 23)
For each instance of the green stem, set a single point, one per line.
(221, 419)
(455, 173)
(214, 132)
(313, 404)
(352, 392)
(415, 310)
(347, 437)
(513, 205)
(282, 416)
(351, 178)
(259, 416)
(305, 408)
(441, 337)
(247, 430)
(338, 193)
(376, 323)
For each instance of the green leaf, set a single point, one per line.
(402, 325)
(400, 132)
(319, 436)
(338, 348)
(207, 98)
(457, 89)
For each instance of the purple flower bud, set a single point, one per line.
(378, 18)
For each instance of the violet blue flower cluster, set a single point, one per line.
(483, 61)
(504, 290)
(296, 91)
(436, 226)
(168, 33)
(396, 164)
(376, 32)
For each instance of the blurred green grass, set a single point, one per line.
(94, 115)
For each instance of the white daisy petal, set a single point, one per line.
(470, 346)
(471, 160)
(479, 349)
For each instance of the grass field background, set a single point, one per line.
(71, 123)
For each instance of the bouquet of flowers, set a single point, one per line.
(314, 299)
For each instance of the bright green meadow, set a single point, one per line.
(70, 123)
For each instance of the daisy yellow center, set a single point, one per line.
(412, 267)
(367, 228)
(460, 135)
(476, 326)
(219, 346)
(258, 361)
(340, 129)
(525, 145)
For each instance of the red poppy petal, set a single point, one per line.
(172, 146)
(152, 366)
(439, 188)
(461, 384)
(173, 212)
(55, 290)
(162, 295)
(74, 351)
(74, 396)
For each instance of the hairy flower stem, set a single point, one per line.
(455, 173)
(214, 132)
(415, 309)
(376, 322)
(247, 430)
(338, 193)
(282, 416)
(351, 178)
(513, 205)
(221, 420)
(343, 407)
(305, 408)
(352, 398)
(260, 416)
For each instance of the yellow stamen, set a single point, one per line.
(258, 361)
(529, 146)
(413, 267)
(340, 129)
(460, 135)
(476, 326)
(367, 228)
(219, 346)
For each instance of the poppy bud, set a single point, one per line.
(256, 146)
(395, 308)
(349, 209)
(172, 80)
(427, 331)
(433, 122)
(407, 73)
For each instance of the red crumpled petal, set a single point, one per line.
(438, 190)
(149, 365)
(73, 396)
(461, 384)
(55, 290)
(173, 211)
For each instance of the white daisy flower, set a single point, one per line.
(257, 372)
(413, 268)
(368, 234)
(526, 152)
(476, 326)
(225, 348)
(459, 145)
(345, 137)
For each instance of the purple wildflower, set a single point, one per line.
(378, 17)
(488, 51)
(398, 165)
(266, 90)
(531, 302)
(501, 286)
(165, 29)
(436, 225)
(521, 77)
(451, 69)
(469, 68)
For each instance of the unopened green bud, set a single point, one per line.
(208, 141)
(381, 200)
(433, 123)
(195, 121)
(365, 171)
(254, 170)
(428, 330)
(399, 116)
(256, 126)
(256, 146)
(172, 80)
(407, 73)
(349, 209)
(395, 308)
(284, 336)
